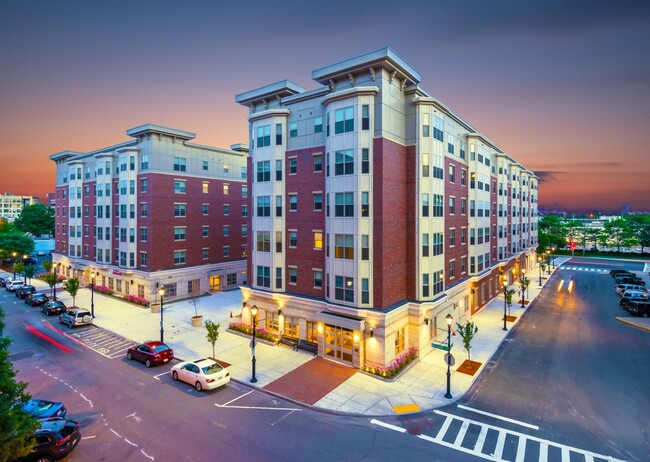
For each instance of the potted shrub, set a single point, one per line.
(197, 319)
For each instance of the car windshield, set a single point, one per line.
(160, 348)
(212, 369)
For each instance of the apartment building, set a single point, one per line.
(11, 205)
(376, 211)
(155, 211)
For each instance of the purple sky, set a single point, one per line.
(564, 87)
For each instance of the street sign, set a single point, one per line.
(442, 346)
(449, 359)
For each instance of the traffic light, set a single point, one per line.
(572, 245)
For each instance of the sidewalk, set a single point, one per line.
(420, 388)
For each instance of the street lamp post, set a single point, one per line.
(13, 264)
(449, 320)
(24, 272)
(548, 262)
(505, 289)
(539, 267)
(161, 292)
(254, 313)
(92, 294)
(54, 265)
(523, 288)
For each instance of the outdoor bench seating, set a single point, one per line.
(307, 346)
(292, 342)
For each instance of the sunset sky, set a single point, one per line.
(563, 86)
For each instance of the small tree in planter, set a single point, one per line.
(47, 266)
(467, 333)
(30, 271)
(18, 267)
(213, 333)
(197, 319)
(72, 287)
(508, 296)
(51, 279)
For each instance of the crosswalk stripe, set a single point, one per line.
(478, 447)
(543, 452)
(566, 457)
(445, 426)
(461, 434)
(501, 441)
(521, 450)
(457, 448)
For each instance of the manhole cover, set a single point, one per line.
(414, 430)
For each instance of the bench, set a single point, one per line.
(292, 342)
(307, 346)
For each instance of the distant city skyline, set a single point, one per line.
(557, 85)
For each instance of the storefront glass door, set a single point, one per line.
(339, 344)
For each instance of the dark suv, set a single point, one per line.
(54, 440)
(630, 280)
(620, 273)
(36, 299)
(24, 291)
(638, 308)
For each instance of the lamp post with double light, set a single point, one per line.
(92, 294)
(161, 292)
(254, 313)
(505, 303)
(449, 320)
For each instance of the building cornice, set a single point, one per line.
(348, 92)
(268, 113)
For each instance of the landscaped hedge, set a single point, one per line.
(248, 330)
(394, 368)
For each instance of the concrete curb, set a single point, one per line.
(632, 324)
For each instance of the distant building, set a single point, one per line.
(51, 199)
(156, 211)
(625, 210)
(377, 212)
(11, 205)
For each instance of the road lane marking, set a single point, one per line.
(496, 416)
(160, 375)
(459, 448)
(235, 399)
(387, 425)
(132, 444)
(281, 418)
(88, 437)
(146, 455)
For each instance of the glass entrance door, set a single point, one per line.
(339, 344)
(215, 283)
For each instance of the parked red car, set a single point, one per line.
(151, 353)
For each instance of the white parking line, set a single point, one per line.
(389, 426)
(495, 416)
(160, 375)
(88, 437)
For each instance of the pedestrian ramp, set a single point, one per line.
(101, 341)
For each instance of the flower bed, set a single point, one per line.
(103, 290)
(137, 300)
(43, 277)
(127, 298)
(394, 368)
(248, 330)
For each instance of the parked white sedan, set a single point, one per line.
(204, 374)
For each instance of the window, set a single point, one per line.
(205, 209)
(425, 245)
(278, 278)
(293, 202)
(365, 160)
(344, 162)
(263, 241)
(293, 239)
(425, 164)
(180, 257)
(226, 230)
(317, 160)
(293, 276)
(180, 164)
(425, 205)
(452, 269)
(226, 251)
(205, 165)
(263, 206)
(344, 246)
(365, 117)
(244, 191)
(263, 136)
(344, 288)
(263, 171)
(437, 167)
(344, 204)
(437, 243)
(452, 237)
(180, 186)
(463, 177)
(206, 187)
(243, 173)
(425, 286)
(463, 236)
(244, 210)
(244, 230)
(425, 125)
(293, 166)
(463, 206)
(399, 341)
(143, 234)
(318, 279)
(278, 242)
(226, 189)
(180, 210)
(463, 265)
(318, 125)
(226, 210)
(344, 120)
(318, 240)
(264, 276)
(205, 231)
(438, 282)
(278, 206)
(438, 128)
(293, 130)
(318, 201)
(365, 247)
(278, 134)
(365, 205)
(452, 173)
(278, 170)
(452, 206)
(180, 233)
(438, 210)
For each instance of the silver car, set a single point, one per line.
(76, 317)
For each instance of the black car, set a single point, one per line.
(630, 280)
(30, 261)
(36, 299)
(626, 300)
(53, 307)
(54, 440)
(24, 291)
(639, 308)
(618, 273)
(4, 281)
(43, 409)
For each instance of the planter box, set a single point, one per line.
(197, 321)
(250, 337)
(155, 307)
(394, 378)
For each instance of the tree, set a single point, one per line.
(72, 287)
(508, 296)
(640, 225)
(593, 236)
(16, 242)
(16, 426)
(18, 267)
(618, 233)
(30, 271)
(51, 279)
(467, 333)
(47, 266)
(213, 333)
(36, 219)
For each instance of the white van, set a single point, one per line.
(620, 288)
(15, 284)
